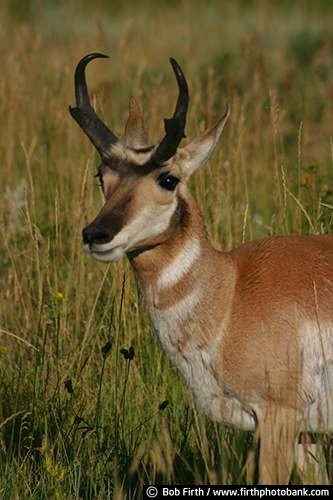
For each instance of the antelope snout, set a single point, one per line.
(95, 235)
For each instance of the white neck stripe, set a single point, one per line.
(180, 265)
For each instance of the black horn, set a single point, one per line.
(99, 134)
(175, 126)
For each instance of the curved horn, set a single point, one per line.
(99, 134)
(175, 126)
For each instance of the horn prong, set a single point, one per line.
(175, 126)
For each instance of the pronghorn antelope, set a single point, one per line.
(251, 330)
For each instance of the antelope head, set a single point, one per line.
(143, 185)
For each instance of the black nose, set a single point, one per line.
(93, 234)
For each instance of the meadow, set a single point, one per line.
(90, 407)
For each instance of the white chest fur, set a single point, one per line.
(198, 364)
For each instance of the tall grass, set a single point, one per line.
(83, 387)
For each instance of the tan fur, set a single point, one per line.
(250, 330)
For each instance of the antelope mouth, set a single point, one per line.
(104, 254)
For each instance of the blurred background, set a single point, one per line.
(79, 419)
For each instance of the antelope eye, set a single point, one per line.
(168, 182)
(100, 179)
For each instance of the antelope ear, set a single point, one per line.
(136, 130)
(198, 151)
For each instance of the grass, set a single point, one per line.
(83, 386)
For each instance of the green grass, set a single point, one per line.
(77, 419)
